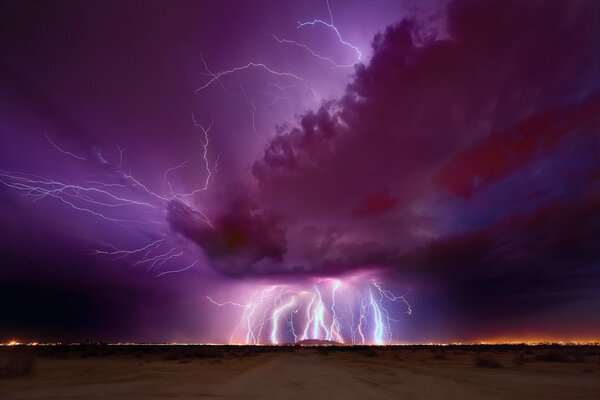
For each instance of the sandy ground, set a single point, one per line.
(304, 374)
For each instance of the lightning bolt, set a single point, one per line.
(124, 253)
(313, 53)
(252, 108)
(126, 200)
(275, 318)
(68, 153)
(178, 270)
(316, 313)
(114, 197)
(290, 322)
(216, 77)
(335, 323)
(332, 27)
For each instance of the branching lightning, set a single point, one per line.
(331, 26)
(313, 53)
(114, 197)
(318, 313)
(302, 84)
(218, 75)
(178, 270)
(328, 309)
(68, 153)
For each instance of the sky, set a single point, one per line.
(268, 172)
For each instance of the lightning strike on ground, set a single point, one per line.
(324, 312)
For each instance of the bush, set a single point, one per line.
(15, 365)
(323, 350)
(553, 356)
(520, 359)
(371, 353)
(208, 352)
(89, 352)
(529, 351)
(578, 358)
(486, 361)
(172, 356)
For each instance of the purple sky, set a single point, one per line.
(447, 150)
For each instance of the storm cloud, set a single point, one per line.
(460, 158)
(401, 172)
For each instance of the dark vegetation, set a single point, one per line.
(487, 361)
(440, 354)
(19, 360)
(521, 358)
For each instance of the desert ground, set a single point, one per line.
(234, 372)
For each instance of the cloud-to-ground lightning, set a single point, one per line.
(275, 318)
(122, 197)
(317, 312)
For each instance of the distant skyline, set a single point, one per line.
(267, 172)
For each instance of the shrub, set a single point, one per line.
(91, 352)
(371, 353)
(578, 358)
(486, 361)
(553, 356)
(172, 355)
(529, 351)
(520, 359)
(208, 352)
(323, 350)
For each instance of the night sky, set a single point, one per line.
(442, 154)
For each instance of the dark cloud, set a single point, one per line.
(427, 107)
(462, 161)
(376, 204)
(419, 102)
(424, 110)
(501, 153)
(523, 264)
(239, 238)
(511, 83)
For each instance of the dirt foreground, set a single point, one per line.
(305, 373)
